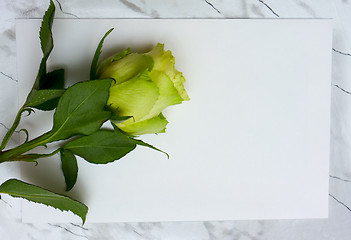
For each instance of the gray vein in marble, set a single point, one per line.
(213, 6)
(245, 233)
(81, 227)
(132, 6)
(4, 126)
(231, 230)
(145, 227)
(33, 11)
(345, 91)
(28, 9)
(10, 33)
(342, 53)
(136, 232)
(6, 203)
(66, 229)
(6, 49)
(209, 228)
(60, 7)
(244, 8)
(234, 232)
(339, 178)
(307, 8)
(257, 10)
(340, 202)
(9, 77)
(267, 6)
(155, 14)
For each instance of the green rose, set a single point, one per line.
(145, 84)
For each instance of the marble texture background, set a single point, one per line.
(337, 226)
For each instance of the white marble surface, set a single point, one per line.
(337, 226)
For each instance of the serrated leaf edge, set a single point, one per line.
(16, 195)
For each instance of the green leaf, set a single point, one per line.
(41, 98)
(138, 141)
(19, 189)
(32, 157)
(141, 143)
(94, 63)
(45, 34)
(47, 44)
(69, 168)
(81, 109)
(54, 80)
(101, 147)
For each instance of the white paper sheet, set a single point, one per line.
(253, 142)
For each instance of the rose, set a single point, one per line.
(145, 84)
